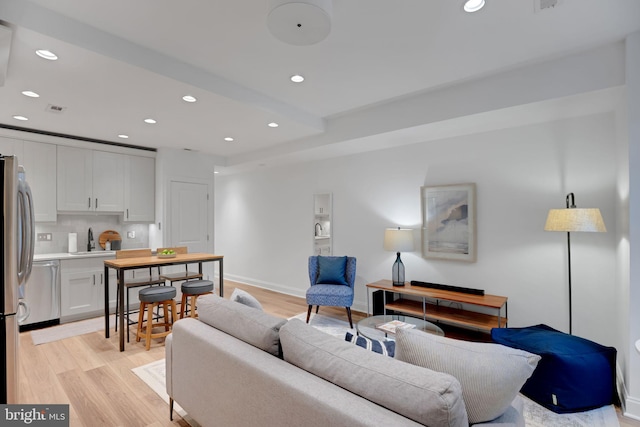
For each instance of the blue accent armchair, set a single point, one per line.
(331, 294)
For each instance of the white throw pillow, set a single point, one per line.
(491, 375)
(245, 298)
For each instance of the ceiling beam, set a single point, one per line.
(49, 23)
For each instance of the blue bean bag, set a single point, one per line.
(574, 374)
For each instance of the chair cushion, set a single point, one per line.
(332, 270)
(387, 348)
(196, 287)
(425, 396)
(491, 374)
(252, 326)
(245, 298)
(156, 294)
(330, 295)
(574, 375)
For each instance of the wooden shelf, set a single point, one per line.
(441, 310)
(450, 315)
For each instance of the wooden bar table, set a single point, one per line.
(124, 264)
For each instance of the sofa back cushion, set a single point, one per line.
(427, 397)
(491, 374)
(252, 326)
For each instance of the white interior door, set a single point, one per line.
(189, 216)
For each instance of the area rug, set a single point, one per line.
(539, 416)
(326, 324)
(153, 374)
(68, 330)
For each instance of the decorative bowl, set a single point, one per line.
(167, 255)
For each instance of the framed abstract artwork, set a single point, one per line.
(449, 222)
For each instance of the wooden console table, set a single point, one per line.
(431, 307)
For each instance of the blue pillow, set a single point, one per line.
(387, 348)
(332, 270)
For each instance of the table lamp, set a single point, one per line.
(573, 219)
(398, 240)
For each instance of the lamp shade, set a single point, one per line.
(575, 219)
(398, 239)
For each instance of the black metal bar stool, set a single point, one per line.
(193, 289)
(154, 297)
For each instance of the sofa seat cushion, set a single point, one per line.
(428, 397)
(252, 326)
(491, 374)
(574, 375)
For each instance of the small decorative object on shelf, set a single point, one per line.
(394, 325)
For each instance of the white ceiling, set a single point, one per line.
(121, 61)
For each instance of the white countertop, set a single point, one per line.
(78, 255)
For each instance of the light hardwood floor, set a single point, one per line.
(89, 373)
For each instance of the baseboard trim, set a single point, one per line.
(276, 287)
(630, 406)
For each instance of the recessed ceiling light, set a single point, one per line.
(216, 172)
(273, 125)
(20, 118)
(228, 139)
(150, 121)
(123, 136)
(30, 94)
(473, 5)
(297, 78)
(46, 54)
(189, 98)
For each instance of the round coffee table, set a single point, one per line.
(367, 327)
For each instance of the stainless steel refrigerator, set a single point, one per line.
(16, 257)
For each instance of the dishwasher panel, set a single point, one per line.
(42, 291)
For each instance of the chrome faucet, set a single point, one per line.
(91, 244)
(318, 233)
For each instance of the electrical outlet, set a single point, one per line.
(131, 234)
(45, 237)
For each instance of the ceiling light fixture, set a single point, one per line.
(228, 139)
(273, 125)
(20, 118)
(123, 136)
(189, 98)
(30, 94)
(473, 5)
(297, 78)
(150, 121)
(46, 54)
(300, 22)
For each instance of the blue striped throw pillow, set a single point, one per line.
(387, 348)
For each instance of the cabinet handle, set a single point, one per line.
(127, 213)
(101, 278)
(94, 280)
(96, 203)
(89, 202)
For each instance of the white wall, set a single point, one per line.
(630, 235)
(264, 218)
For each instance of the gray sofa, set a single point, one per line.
(238, 366)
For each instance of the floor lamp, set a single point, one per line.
(573, 219)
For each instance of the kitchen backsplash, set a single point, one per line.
(80, 224)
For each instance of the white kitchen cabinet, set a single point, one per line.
(89, 181)
(139, 189)
(11, 147)
(82, 288)
(39, 161)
